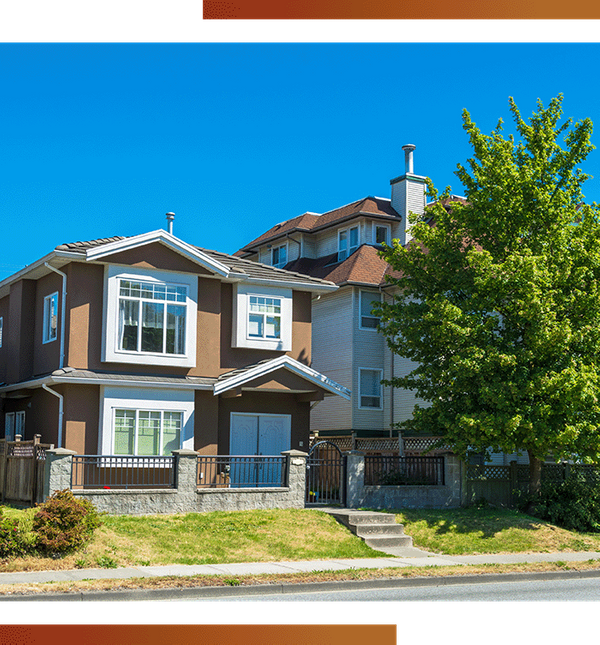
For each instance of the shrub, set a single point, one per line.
(571, 504)
(13, 539)
(64, 523)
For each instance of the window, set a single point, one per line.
(367, 301)
(347, 242)
(149, 317)
(264, 317)
(50, 323)
(382, 234)
(14, 424)
(146, 432)
(152, 317)
(370, 388)
(279, 256)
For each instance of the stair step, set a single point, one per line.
(356, 518)
(367, 530)
(376, 542)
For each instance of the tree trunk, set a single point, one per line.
(535, 481)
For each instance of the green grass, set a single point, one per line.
(296, 534)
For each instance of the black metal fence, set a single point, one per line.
(404, 471)
(242, 471)
(121, 472)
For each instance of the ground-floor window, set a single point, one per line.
(146, 432)
(14, 424)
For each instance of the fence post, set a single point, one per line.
(186, 473)
(355, 478)
(57, 471)
(296, 476)
(513, 482)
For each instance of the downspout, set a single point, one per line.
(60, 412)
(63, 309)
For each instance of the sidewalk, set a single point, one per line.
(410, 557)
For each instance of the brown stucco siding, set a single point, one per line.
(41, 414)
(4, 308)
(206, 423)
(81, 418)
(208, 345)
(46, 355)
(21, 322)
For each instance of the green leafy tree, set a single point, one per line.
(498, 298)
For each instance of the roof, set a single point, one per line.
(311, 222)
(253, 270)
(364, 266)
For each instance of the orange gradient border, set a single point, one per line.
(405, 9)
(196, 634)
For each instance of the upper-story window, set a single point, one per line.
(279, 256)
(369, 384)
(348, 241)
(264, 317)
(50, 322)
(150, 317)
(367, 300)
(382, 234)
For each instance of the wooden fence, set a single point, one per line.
(22, 471)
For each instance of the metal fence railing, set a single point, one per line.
(110, 471)
(242, 471)
(404, 471)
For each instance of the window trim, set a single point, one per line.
(137, 411)
(249, 313)
(240, 317)
(279, 265)
(360, 314)
(360, 395)
(388, 234)
(349, 249)
(150, 399)
(46, 323)
(110, 333)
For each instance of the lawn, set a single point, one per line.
(296, 534)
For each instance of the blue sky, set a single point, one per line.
(103, 139)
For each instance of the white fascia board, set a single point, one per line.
(39, 264)
(298, 286)
(290, 364)
(164, 237)
(27, 385)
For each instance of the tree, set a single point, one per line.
(498, 298)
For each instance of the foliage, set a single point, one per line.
(498, 297)
(64, 523)
(13, 539)
(572, 504)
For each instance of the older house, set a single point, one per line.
(146, 344)
(342, 246)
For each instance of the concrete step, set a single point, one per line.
(378, 530)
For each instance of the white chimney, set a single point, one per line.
(408, 193)
(170, 218)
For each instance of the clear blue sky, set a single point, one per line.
(102, 140)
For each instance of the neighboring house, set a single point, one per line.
(145, 344)
(342, 246)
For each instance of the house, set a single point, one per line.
(342, 246)
(146, 344)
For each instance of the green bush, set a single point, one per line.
(64, 523)
(13, 539)
(571, 504)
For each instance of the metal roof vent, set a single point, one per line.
(408, 157)
(170, 218)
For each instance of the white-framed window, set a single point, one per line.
(367, 300)
(279, 256)
(145, 421)
(149, 317)
(1, 328)
(14, 424)
(146, 432)
(152, 317)
(264, 317)
(381, 233)
(369, 388)
(348, 242)
(50, 321)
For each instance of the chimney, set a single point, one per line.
(170, 218)
(408, 193)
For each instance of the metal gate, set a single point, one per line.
(325, 475)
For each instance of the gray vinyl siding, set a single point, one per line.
(332, 356)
